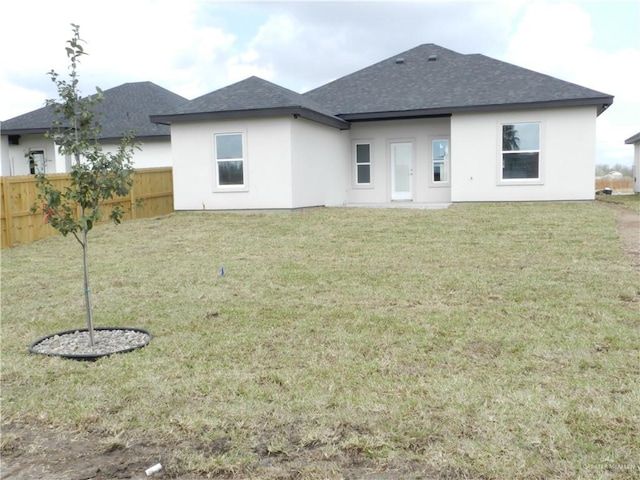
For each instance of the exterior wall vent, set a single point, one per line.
(400, 60)
(14, 139)
(432, 58)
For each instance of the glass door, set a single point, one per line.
(401, 171)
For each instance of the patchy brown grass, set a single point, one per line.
(483, 341)
(631, 201)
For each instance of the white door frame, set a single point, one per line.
(401, 169)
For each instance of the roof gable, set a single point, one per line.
(431, 80)
(126, 107)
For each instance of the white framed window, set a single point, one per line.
(37, 163)
(440, 161)
(520, 152)
(230, 160)
(362, 155)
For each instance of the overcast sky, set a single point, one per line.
(193, 47)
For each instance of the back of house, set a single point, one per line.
(427, 126)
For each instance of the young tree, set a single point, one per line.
(96, 176)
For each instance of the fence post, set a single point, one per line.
(132, 198)
(7, 211)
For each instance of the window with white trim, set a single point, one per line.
(362, 156)
(37, 163)
(520, 151)
(440, 161)
(229, 155)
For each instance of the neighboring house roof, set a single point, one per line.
(250, 97)
(634, 139)
(124, 108)
(431, 80)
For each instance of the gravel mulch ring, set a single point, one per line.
(76, 344)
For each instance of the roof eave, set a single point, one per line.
(397, 115)
(633, 139)
(24, 131)
(318, 117)
(602, 103)
(303, 112)
(137, 138)
(109, 138)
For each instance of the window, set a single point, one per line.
(363, 163)
(229, 153)
(521, 151)
(36, 161)
(440, 161)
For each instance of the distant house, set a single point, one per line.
(635, 141)
(25, 150)
(427, 126)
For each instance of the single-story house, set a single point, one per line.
(427, 126)
(635, 141)
(25, 150)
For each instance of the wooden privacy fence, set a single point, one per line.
(151, 196)
(617, 184)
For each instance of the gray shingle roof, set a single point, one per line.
(413, 83)
(250, 97)
(126, 107)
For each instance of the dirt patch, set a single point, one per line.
(628, 224)
(29, 453)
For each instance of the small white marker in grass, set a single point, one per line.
(151, 470)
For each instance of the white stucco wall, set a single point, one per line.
(293, 163)
(267, 167)
(567, 156)
(16, 162)
(320, 164)
(153, 153)
(5, 164)
(421, 132)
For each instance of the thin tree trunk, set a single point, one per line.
(85, 268)
(87, 295)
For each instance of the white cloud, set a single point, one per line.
(198, 63)
(614, 74)
(551, 37)
(278, 30)
(247, 64)
(557, 39)
(16, 97)
(306, 44)
(156, 40)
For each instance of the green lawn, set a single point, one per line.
(493, 341)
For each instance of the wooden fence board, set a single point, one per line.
(617, 184)
(151, 196)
